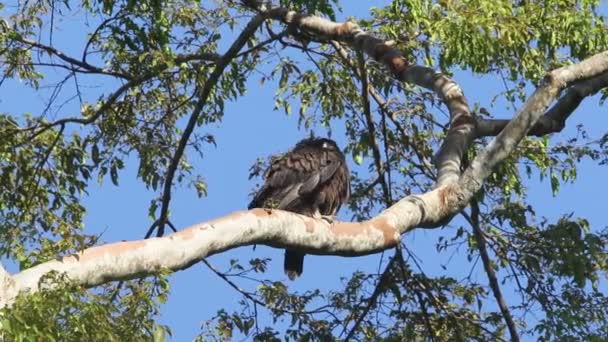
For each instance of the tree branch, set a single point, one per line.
(383, 105)
(82, 64)
(424, 285)
(204, 93)
(462, 123)
(554, 120)
(233, 285)
(492, 279)
(371, 301)
(421, 301)
(39, 129)
(371, 130)
(275, 228)
(504, 143)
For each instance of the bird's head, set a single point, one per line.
(319, 143)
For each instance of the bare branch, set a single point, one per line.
(86, 66)
(204, 93)
(371, 301)
(492, 279)
(39, 129)
(371, 130)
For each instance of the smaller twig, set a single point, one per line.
(96, 32)
(155, 225)
(203, 94)
(51, 50)
(384, 108)
(262, 43)
(371, 129)
(493, 280)
(425, 313)
(151, 229)
(251, 297)
(233, 285)
(371, 301)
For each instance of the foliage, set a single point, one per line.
(72, 313)
(152, 58)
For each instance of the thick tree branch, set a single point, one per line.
(554, 120)
(275, 228)
(504, 143)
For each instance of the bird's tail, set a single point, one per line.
(294, 264)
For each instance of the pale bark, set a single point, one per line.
(7, 287)
(178, 251)
(555, 118)
(133, 259)
(555, 81)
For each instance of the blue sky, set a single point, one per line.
(251, 129)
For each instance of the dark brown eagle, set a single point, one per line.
(312, 179)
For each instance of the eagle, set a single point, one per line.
(313, 180)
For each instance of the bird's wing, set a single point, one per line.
(292, 176)
(325, 171)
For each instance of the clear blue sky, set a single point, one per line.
(251, 129)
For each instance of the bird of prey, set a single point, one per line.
(312, 179)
